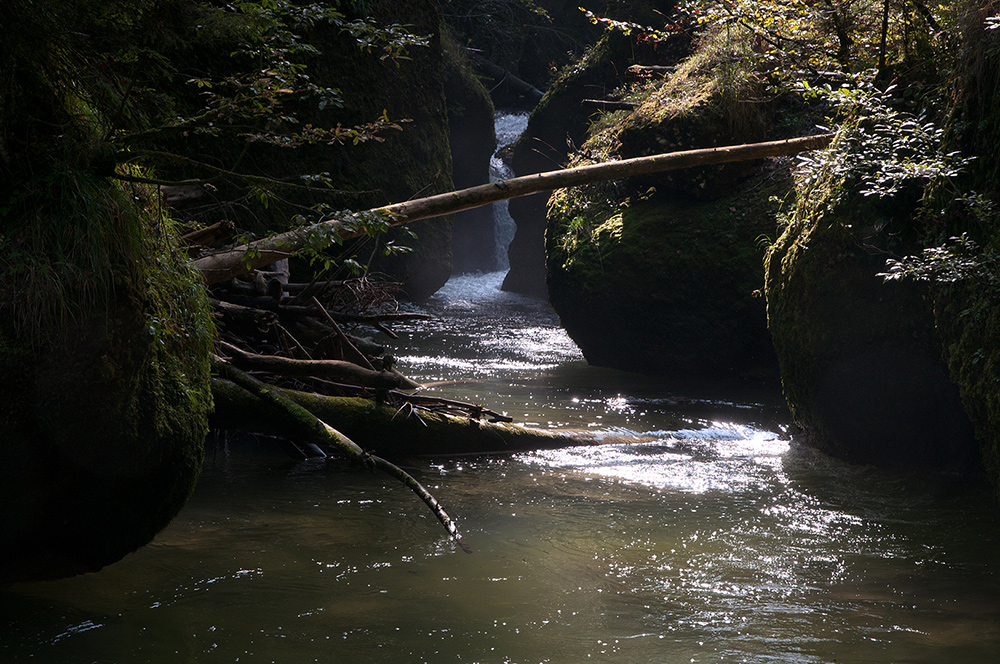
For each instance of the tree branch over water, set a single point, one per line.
(240, 260)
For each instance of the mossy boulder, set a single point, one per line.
(658, 273)
(558, 125)
(662, 283)
(861, 360)
(104, 353)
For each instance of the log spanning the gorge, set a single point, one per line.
(240, 260)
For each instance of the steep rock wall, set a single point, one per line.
(473, 141)
(861, 360)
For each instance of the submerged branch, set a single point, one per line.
(301, 422)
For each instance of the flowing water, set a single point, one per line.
(707, 539)
(508, 128)
(694, 534)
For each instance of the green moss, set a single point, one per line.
(860, 358)
(106, 395)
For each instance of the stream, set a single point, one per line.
(709, 539)
(694, 534)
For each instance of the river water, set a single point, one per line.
(705, 538)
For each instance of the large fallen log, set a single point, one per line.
(391, 432)
(240, 260)
(300, 422)
(332, 369)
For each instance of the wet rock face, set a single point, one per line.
(396, 164)
(411, 163)
(473, 141)
(861, 360)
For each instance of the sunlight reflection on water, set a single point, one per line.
(722, 457)
(695, 535)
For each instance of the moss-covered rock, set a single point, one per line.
(968, 313)
(104, 353)
(662, 283)
(556, 127)
(861, 360)
(658, 273)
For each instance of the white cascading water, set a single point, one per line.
(509, 127)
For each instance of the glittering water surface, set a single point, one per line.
(704, 539)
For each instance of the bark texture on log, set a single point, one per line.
(331, 369)
(226, 265)
(387, 431)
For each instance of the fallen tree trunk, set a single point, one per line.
(391, 432)
(609, 104)
(228, 264)
(301, 422)
(332, 369)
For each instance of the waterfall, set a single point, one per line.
(509, 127)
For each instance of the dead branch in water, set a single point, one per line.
(311, 428)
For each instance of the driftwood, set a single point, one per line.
(240, 319)
(307, 426)
(648, 70)
(225, 265)
(217, 232)
(347, 347)
(348, 372)
(180, 194)
(609, 105)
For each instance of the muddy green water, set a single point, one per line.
(709, 539)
